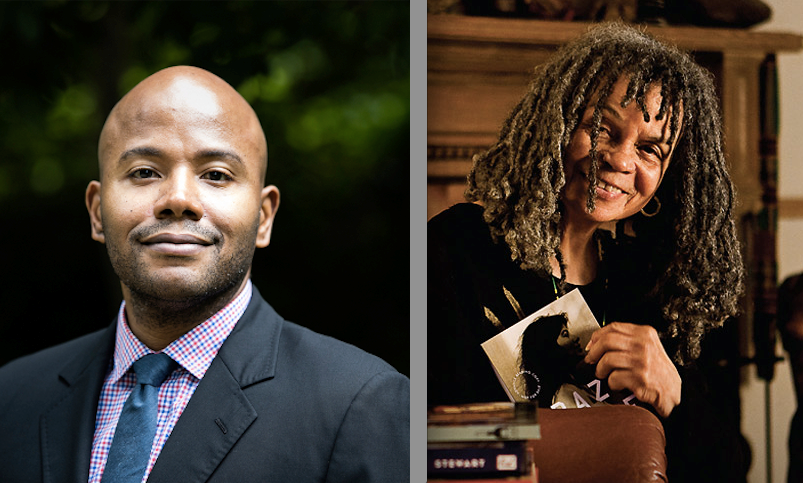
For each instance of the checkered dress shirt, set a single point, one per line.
(194, 352)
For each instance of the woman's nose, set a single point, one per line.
(620, 157)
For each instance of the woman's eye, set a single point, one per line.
(653, 151)
(217, 176)
(605, 133)
(143, 173)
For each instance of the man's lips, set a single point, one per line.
(176, 244)
(175, 238)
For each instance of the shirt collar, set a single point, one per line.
(194, 350)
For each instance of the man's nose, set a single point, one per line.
(179, 197)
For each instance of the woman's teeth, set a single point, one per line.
(608, 187)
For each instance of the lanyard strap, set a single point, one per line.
(555, 286)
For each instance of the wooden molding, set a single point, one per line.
(790, 208)
(550, 32)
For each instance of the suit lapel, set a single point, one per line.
(219, 412)
(216, 416)
(68, 427)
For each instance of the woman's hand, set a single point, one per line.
(632, 357)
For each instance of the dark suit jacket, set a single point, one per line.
(279, 403)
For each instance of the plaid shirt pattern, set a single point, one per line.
(194, 352)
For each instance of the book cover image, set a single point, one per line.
(540, 358)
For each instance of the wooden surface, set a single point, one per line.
(554, 33)
(790, 208)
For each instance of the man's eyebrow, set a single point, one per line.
(152, 152)
(219, 153)
(143, 151)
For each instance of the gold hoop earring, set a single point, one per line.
(657, 208)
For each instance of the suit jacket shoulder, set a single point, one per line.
(360, 402)
(47, 409)
(30, 375)
(283, 403)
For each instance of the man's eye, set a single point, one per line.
(216, 176)
(143, 173)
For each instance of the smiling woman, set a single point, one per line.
(609, 177)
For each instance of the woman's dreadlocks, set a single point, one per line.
(692, 241)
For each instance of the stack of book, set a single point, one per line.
(482, 442)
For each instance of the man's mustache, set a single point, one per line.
(181, 227)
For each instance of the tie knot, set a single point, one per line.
(153, 369)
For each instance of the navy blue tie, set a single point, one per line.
(131, 446)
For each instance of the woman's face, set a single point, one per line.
(569, 343)
(633, 155)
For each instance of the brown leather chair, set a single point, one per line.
(614, 443)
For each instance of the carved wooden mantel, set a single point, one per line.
(478, 68)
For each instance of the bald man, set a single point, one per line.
(181, 206)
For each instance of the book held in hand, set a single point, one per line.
(540, 358)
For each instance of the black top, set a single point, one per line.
(467, 273)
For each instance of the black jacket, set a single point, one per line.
(466, 273)
(297, 406)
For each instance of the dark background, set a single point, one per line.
(330, 84)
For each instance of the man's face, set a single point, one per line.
(181, 205)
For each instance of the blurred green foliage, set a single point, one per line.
(330, 84)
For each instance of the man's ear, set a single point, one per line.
(270, 204)
(93, 207)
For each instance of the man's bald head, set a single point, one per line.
(179, 96)
(181, 204)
